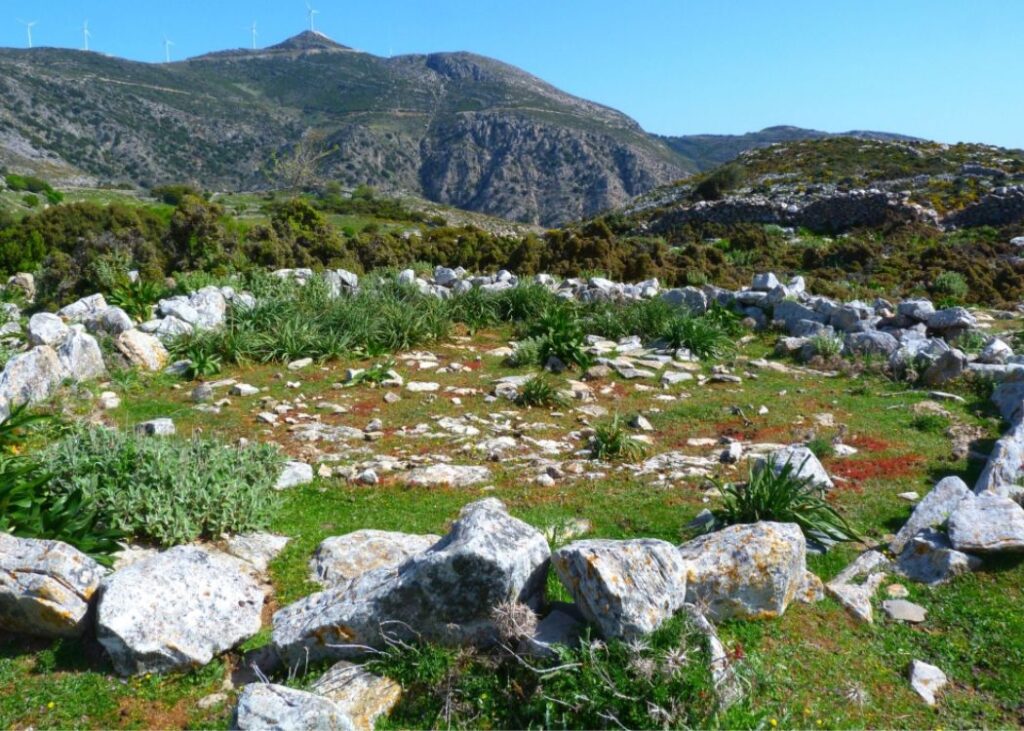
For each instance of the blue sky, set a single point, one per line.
(951, 70)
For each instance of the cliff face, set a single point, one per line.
(457, 128)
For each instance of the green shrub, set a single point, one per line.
(827, 346)
(951, 285)
(540, 392)
(166, 491)
(700, 335)
(30, 199)
(612, 441)
(136, 297)
(202, 364)
(173, 195)
(821, 447)
(372, 376)
(971, 341)
(719, 182)
(782, 496)
(525, 353)
(930, 423)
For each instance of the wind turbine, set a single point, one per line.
(167, 48)
(28, 29)
(86, 35)
(312, 17)
(254, 34)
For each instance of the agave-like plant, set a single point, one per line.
(780, 494)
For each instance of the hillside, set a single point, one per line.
(458, 128)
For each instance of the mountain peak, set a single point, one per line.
(309, 40)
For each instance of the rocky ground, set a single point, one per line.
(918, 625)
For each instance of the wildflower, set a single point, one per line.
(773, 723)
(676, 659)
(51, 705)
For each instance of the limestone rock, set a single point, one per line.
(934, 510)
(626, 588)
(855, 586)
(46, 329)
(45, 587)
(142, 349)
(361, 695)
(256, 549)
(156, 428)
(80, 356)
(987, 524)
(903, 611)
(447, 474)
(562, 627)
(341, 559)
(266, 707)
(177, 609)
(293, 475)
(83, 309)
(926, 680)
(749, 571)
(930, 558)
(30, 377)
(445, 594)
(805, 465)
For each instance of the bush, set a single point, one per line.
(611, 441)
(821, 447)
(164, 490)
(136, 297)
(951, 285)
(559, 333)
(539, 392)
(525, 353)
(827, 346)
(719, 182)
(700, 335)
(782, 496)
(173, 195)
(929, 423)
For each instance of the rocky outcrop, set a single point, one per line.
(1003, 206)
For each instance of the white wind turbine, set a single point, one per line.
(312, 16)
(86, 35)
(28, 29)
(254, 34)
(167, 49)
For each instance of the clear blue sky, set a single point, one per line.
(949, 70)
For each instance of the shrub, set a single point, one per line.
(719, 182)
(782, 496)
(611, 441)
(136, 297)
(30, 199)
(951, 285)
(972, 341)
(173, 195)
(164, 490)
(525, 352)
(372, 376)
(539, 392)
(929, 423)
(202, 364)
(821, 447)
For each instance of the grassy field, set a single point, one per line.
(813, 667)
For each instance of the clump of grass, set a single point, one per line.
(950, 285)
(827, 346)
(525, 353)
(971, 341)
(136, 297)
(700, 335)
(612, 441)
(165, 491)
(560, 334)
(930, 423)
(372, 376)
(202, 364)
(821, 447)
(781, 495)
(540, 392)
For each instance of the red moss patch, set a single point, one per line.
(858, 470)
(866, 443)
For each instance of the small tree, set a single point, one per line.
(299, 168)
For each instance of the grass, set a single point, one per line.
(973, 624)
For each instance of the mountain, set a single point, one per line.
(460, 129)
(709, 151)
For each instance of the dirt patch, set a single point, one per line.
(153, 714)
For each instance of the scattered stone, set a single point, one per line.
(243, 389)
(562, 627)
(176, 610)
(732, 453)
(109, 401)
(293, 475)
(934, 510)
(256, 549)
(926, 680)
(640, 423)
(446, 474)
(156, 428)
(869, 570)
(422, 387)
(910, 497)
(213, 700)
(339, 560)
(626, 588)
(202, 393)
(748, 571)
(298, 365)
(901, 610)
(805, 465)
(361, 695)
(262, 707)
(897, 591)
(45, 587)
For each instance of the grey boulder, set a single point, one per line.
(267, 707)
(987, 523)
(177, 609)
(30, 377)
(933, 510)
(626, 588)
(929, 557)
(804, 463)
(80, 356)
(340, 559)
(445, 594)
(46, 587)
(747, 571)
(46, 329)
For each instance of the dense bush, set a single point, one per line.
(719, 182)
(164, 490)
(173, 195)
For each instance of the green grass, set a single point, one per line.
(803, 660)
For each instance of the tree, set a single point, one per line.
(299, 168)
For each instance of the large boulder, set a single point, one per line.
(1005, 467)
(340, 559)
(210, 307)
(987, 523)
(46, 587)
(872, 342)
(177, 609)
(446, 594)
(750, 571)
(949, 366)
(84, 309)
(30, 377)
(267, 707)
(142, 349)
(626, 588)
(1008, 396)
(933, 510)
(112, 320)
(929, 557)
(45, 328)
(80, 356)
(951, 319)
